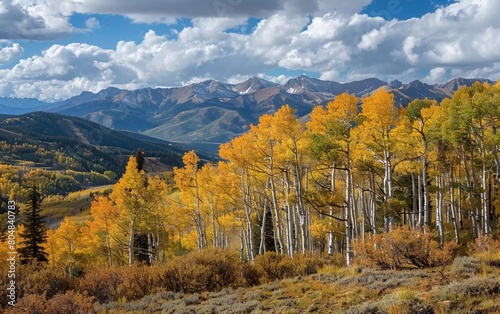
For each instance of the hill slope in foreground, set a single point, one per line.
(366, 291)
(342, 290)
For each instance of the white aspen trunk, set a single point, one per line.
(427, 213)
(439, 209)
(348, 228)
(295, 229)
(300, 205)
(411, 217)
(373, 204)
(330, 235)
(495, 151)
(484, 189)
(278, 229)
(289, 216)
(484, 198)
(163, 243)
(289, 236)
(300, 209)
(477, 214)
(150, 248)
(349, 208)
(453, 210)
(307, 214)
(199, 231)
(420, 204)
(332, 189)
(108, 246)
(199, 221)
(362, 208)
(354, 207)
(248, 212)
(262, 245)
(387, 186)
(212, 222)
(459, 197)
(131, 243)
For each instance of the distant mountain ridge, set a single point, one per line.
(212, 112)
(11, 105)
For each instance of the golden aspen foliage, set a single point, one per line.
(65, 246)
(129, 195)
(109, 225)
(187, 181)
(379, 111)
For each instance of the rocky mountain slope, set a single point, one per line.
(212, 112)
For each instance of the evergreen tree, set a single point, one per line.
(34, 235)
(139, 157)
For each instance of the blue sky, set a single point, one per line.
(55, 49)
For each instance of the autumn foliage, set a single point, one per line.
(403, 248)
(272, 266)
(379, 185)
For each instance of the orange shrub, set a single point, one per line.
(484, 244)
(101, 283)
(31, 303)
(38, 280)
(69, 302)
(272, 266)
(135, 282)
(208, 270)
(403, 247)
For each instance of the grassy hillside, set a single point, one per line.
(218, 284)
(468, 286)
(51, 140)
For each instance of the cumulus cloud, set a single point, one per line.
(48, 19)
(160, 10)
(456, 40)
(9, 53)
(438, 74)
(35, 19)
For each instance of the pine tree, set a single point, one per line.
(34, 235)
(139, 157)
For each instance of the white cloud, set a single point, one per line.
(372, 39)
(273, 34)
(436, 75)
(9, 53)
(409, 45)
(92, 23)
(331, 75)
(35, 19)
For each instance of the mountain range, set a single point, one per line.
(211, 112)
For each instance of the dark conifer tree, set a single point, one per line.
(34, 234)
(139, 157)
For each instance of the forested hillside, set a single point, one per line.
(64, 154)
(364, 182)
